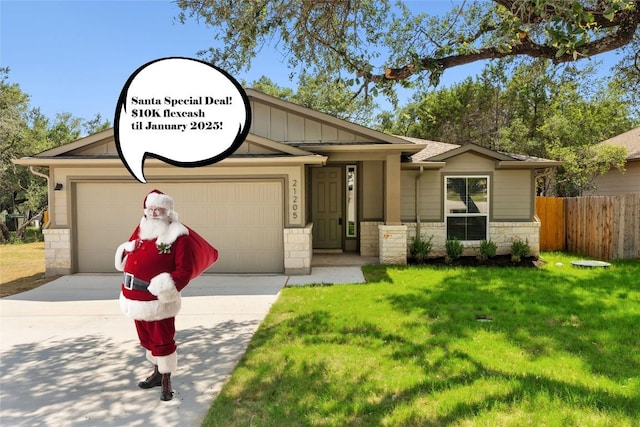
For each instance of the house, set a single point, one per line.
(614, 182)
(301, 182)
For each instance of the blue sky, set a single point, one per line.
(75, 56)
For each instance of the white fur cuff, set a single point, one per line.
(168, 364)
(120, 258)
(164, 288)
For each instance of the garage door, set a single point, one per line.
(243, 220)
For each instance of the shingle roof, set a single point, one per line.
(432, 148)
(435, 148)
(630, 140)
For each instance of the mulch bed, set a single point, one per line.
(472, 261)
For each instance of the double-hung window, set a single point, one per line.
(466, 207)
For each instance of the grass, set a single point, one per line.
(445, 346)
(21, 267)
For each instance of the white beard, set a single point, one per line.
(152, 228)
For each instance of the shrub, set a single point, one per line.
(487, 250)
(454, 250)
(519, 249)
(420, 248)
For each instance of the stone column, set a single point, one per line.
(369, 238)
(393, 244)
(298, 250)
(57, 251)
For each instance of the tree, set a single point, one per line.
(321, 93)
(537, 112)
(25, 131)
(378, 45)
(14, 130)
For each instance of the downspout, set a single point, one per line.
(418, 176)
(33, 171)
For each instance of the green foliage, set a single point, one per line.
(519, 249)
(24, 131)
(420, 248)
(376, 45)
(336, 97)
(453, 249)
(487, 250)
(536, 112)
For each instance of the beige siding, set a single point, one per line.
(243, 220)
(108, 148)
(250, 148)
(510, 190)
(616, 183)
(295, 127)
(430, 197)
(260, 120)
(512, 195)
(372, 194)
(278, 125)
(284, 126)
(470, 164)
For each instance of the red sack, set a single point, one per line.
(204, 255)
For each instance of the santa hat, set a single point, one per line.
(158, 199)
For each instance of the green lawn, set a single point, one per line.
(437, 346)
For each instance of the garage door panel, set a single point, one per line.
(243, 220)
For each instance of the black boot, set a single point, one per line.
(167, 393)
(153, 380)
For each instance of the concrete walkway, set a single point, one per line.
(68, 357)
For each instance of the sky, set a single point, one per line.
(75, 56)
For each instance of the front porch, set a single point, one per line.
(342, 259)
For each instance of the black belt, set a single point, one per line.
(132, 282)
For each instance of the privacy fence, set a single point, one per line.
(604, 227)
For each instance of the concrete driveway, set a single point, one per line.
(68, 357)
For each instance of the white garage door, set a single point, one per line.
(243, 220)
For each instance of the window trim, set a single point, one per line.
(445, 209)
(355, 201)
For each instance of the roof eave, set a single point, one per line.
(313, 159)
(423, 165)
(403, 148)
(524, 164)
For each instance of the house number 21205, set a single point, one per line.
(294, 199)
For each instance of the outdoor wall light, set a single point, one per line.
(58, 186)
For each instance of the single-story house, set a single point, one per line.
(302, 182)
(614, 182)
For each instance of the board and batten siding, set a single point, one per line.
(284, 126)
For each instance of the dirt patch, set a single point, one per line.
(472, 261)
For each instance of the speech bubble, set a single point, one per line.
(183, 111)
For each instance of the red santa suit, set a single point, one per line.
(160, 259)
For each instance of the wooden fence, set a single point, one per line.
(604, 227)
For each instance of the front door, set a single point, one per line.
(326, 207)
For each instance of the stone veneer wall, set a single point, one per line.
(298, 250)
(57, 251)
(393, 244)
(369, 237)
(501, 233)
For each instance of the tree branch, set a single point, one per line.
(627, 24)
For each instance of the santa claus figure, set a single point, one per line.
(158, 261)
